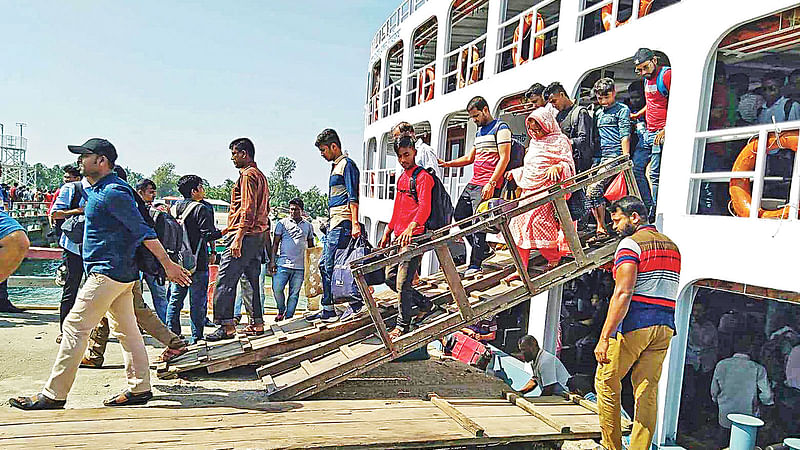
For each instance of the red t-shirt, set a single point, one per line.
(656, 115)
(406, 210)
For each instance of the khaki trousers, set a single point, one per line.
(643, 350)
(145, 318)
(98, 296)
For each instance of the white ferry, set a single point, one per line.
(431, 57)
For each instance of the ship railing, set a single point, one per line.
(412, 97)
(391, 98)
(28, 209)
(465, 65)
(373, 107)
(397, 17)
(14, 142)
(517, 21)
(379, 184)
(765, 133)
(498, 217)
(614, 14)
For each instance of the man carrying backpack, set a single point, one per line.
(490, 157)
(196, 217)
(657, 82)
(69, 203)
(409, 216)
(575, 123)
(426, 155)
(146, 189)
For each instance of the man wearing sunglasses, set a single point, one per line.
(657, 83)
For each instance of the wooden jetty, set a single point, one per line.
(437, 422)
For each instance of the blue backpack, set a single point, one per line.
(660, 85)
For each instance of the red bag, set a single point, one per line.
(617, 189)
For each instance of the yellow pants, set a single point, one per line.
(643, 350)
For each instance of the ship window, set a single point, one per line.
(725, 322)
(749, 123)
(393, 81)
(529, 30)
(597, 16)
(373, 93)
(370, 188)
(464, 62)
(421, 81)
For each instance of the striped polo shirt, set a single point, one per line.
(487, 156)
(342, 190)
(659, 266)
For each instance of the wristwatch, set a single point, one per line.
(493, 183)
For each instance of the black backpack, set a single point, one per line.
(581, 156)
(169, 232)
(145, 260)
(441, 204)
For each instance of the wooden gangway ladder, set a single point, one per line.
(303, 358)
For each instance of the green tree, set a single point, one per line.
(220, 191)
(133, 176)
(316, 203)
(166, 180)
(48, 178)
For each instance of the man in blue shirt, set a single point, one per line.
(113, 231)
(343, 220)
(69, 203)
(13, 246)
(614, 129)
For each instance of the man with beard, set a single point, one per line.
(639, 325)
(489, 157)
(548, 372)
(657, 83)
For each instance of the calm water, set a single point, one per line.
(52, 295)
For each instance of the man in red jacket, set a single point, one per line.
(411, 211)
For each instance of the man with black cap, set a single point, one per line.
(113, 231)
(657, 83)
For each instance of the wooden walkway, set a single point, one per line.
(311, 424)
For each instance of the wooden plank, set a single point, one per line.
(631, 184)
(308, 367)
(531, 409)
(570, 233)
(448, 267)
(269, 383)
(278, 333)
(467, 423)
(374, 313)
(347, 351)
(522, 266)
(591, 406)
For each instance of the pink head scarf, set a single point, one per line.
(549, 150)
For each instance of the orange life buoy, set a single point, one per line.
(425, 89)
(469, 56)
(607, 13)
(517, 55)
(739, 188)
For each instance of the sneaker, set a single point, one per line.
(61, 275)
(279, 317)
(472, 271)
(58, 338)
(351, 313)
(324, 315)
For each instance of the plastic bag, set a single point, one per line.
(343, 283)
(617, 189)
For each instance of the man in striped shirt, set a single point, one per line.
(489, 158)
(639, 325)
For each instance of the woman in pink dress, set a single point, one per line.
(548, 160)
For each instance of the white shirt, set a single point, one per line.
(426, 158)
(777, 110)
(548, 370)
(738, 385)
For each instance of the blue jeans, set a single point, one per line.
(641, 156)
(246, 293)
(158, 292)
(338, 237)
(294, 277)
(655, 165)
(198, 305)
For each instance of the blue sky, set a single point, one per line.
(177, 81)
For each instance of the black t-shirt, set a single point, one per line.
(199, 224)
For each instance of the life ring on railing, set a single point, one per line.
(606, 13)
(469, 56)
(739, 188)
(517, 55)
(426, 78)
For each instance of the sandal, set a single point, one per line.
(513, 277)
(395, 333)
(252, 330)
(422, 315)
(170, 353)
(598, 237)
(36, 402)
(220, 335)
(128, 398)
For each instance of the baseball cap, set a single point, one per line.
(97, 146)
(643, 55)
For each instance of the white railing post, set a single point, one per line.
(758, 180)
(494, 18)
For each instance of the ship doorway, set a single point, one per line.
(742, 355)
(458, 138)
